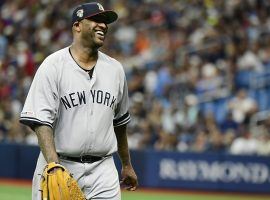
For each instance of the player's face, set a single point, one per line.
(93, 32)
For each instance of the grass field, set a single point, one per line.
(15, 192)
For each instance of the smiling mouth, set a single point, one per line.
(100, 33)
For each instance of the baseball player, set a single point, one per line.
(78, 107)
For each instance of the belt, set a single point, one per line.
(82, 159)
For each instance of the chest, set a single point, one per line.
(76, 88)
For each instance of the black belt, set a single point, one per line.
(82, 159)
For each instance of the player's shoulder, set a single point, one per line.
(53, 61)
(58, 56)
(110, 60)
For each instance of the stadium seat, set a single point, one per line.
(242, 79)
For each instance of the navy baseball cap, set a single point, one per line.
(93, 10)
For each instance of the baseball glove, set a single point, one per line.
(58, 184)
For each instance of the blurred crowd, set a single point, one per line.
(186, 63)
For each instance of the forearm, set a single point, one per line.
(46, 143)
(122, 143)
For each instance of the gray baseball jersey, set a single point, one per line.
(83, 111)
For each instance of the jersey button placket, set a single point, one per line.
(91, 124)
(91, 112)
(90, 117)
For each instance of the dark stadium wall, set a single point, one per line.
(208, 171)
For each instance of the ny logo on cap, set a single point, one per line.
(100, 7)
(79, 13)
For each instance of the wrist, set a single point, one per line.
(126, 164)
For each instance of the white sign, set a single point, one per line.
(235, 172)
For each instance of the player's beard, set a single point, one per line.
(92, 39)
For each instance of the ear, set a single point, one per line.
(77, 26)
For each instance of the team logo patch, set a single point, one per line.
(100, 7)
(28, 113)
(79, 13)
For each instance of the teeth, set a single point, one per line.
(100, 33)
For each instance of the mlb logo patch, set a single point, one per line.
(28, 114)
(80, 13)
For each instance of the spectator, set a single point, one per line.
(246, 144)
(242, 107)
(178, 56)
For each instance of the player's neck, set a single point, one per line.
(85, 57)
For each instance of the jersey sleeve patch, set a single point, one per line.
(122, 120)
(30, 121)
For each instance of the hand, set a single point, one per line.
(129, 178)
